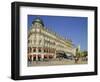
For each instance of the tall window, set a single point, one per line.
(34, 49)
(39, 49)
(39, 42)
(29, 49)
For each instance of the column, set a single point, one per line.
(32, 57)
(37, 54)
(42, 54)
(55, 54)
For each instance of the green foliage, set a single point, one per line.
(77, 53)
(81, 53)
(85, 53)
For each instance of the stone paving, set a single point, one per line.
(56, 62)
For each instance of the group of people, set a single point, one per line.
(80, 58)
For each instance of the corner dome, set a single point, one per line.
(38, 20)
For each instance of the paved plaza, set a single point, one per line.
(56, 62)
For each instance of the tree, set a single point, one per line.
(77, 52)
(85, 53)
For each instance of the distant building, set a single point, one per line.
(43, 43)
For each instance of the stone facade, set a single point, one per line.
(43, 43)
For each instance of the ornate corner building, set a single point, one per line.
(45, 44)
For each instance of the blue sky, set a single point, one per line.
(74, 28)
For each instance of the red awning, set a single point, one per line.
(45, 55)
(34, 55)
(39, 55)
(50, 55)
